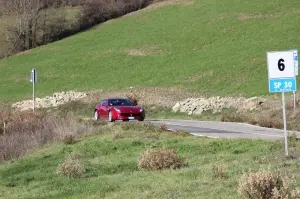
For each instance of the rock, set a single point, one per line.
(50, 101)
(176, 107)
(216, 104)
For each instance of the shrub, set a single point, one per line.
(160, 158)
(266, 185)
(68, 138)
(163, 127)
(20, 132)
(219, 171)
(71, 167)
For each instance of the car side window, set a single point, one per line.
(103, 102)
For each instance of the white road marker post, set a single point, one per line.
(33, 80)
(295, 51)
(294, 101)
(282, 78)
(284, 126)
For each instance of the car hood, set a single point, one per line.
(128, 109)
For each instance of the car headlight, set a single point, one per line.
(118, 110)
(141, 110)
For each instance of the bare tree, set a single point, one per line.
(25, 12)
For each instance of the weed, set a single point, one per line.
(163, 127)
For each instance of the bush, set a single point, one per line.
(266, 185)
(160, 158)
(68, 139)
(71, 167)
(163, 127)
(20, 132)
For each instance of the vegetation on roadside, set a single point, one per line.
(270, 118)
(23, 132)
(107, 166)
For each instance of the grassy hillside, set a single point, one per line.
(112, 172)
(209, 46)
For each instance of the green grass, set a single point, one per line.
(211, 47)
(112, 172)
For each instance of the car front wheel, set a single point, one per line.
(142, 119)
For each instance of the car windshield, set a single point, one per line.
(120, 102)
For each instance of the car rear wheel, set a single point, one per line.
(110, 116)
(96, 116)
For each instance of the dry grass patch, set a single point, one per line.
(144, 51)
(244, 16)
(219, 171)
(198, 77)
(268, 117)
(266, 185)
(160, 158)
(21, 132)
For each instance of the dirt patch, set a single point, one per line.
(50, 101)
(244, 16)
(24, 52)
(160, 4)
(137, 52)
(196, 78)
(258, 60)
(169, 3)
(143, 51)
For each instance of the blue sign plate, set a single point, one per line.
(282, 85)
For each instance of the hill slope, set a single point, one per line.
(216, 48)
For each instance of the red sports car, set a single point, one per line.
(118, 109)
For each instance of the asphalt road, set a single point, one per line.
(224, 129)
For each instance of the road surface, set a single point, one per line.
(224, 129)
